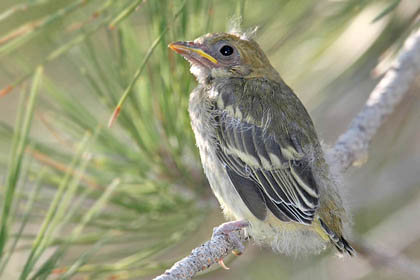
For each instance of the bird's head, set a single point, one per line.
(225, 55)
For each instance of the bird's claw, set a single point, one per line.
(239, 247)
(237, 252)
(223, 265)
(229, 229)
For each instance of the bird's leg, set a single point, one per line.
(228, 229)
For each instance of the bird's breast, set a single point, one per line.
(203, 123)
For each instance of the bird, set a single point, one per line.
(259, 148)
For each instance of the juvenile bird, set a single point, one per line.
(259, 149)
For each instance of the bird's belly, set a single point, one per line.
(204, 130)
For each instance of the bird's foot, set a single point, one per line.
(229, 229)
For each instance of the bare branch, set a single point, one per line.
(350, 149)
(380, 248)
(201, 258)
(393, 261)
(352, 146)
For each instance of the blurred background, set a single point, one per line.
(80, 200)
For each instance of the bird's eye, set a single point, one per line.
(226, 50)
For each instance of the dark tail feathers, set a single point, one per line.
(339, 242)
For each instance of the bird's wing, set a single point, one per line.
(266, 171)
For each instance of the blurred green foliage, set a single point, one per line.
(81, 199)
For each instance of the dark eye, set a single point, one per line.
(226, 50)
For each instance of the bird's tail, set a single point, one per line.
(339, 242)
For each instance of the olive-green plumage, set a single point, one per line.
(259, 148)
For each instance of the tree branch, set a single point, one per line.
(201, 258)
(352, 146)
(350, 149)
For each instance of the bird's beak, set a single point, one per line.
(193, 52)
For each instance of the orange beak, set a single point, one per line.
(191, 51)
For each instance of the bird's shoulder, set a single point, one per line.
(270, 105)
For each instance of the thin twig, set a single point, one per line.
(350, 149)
